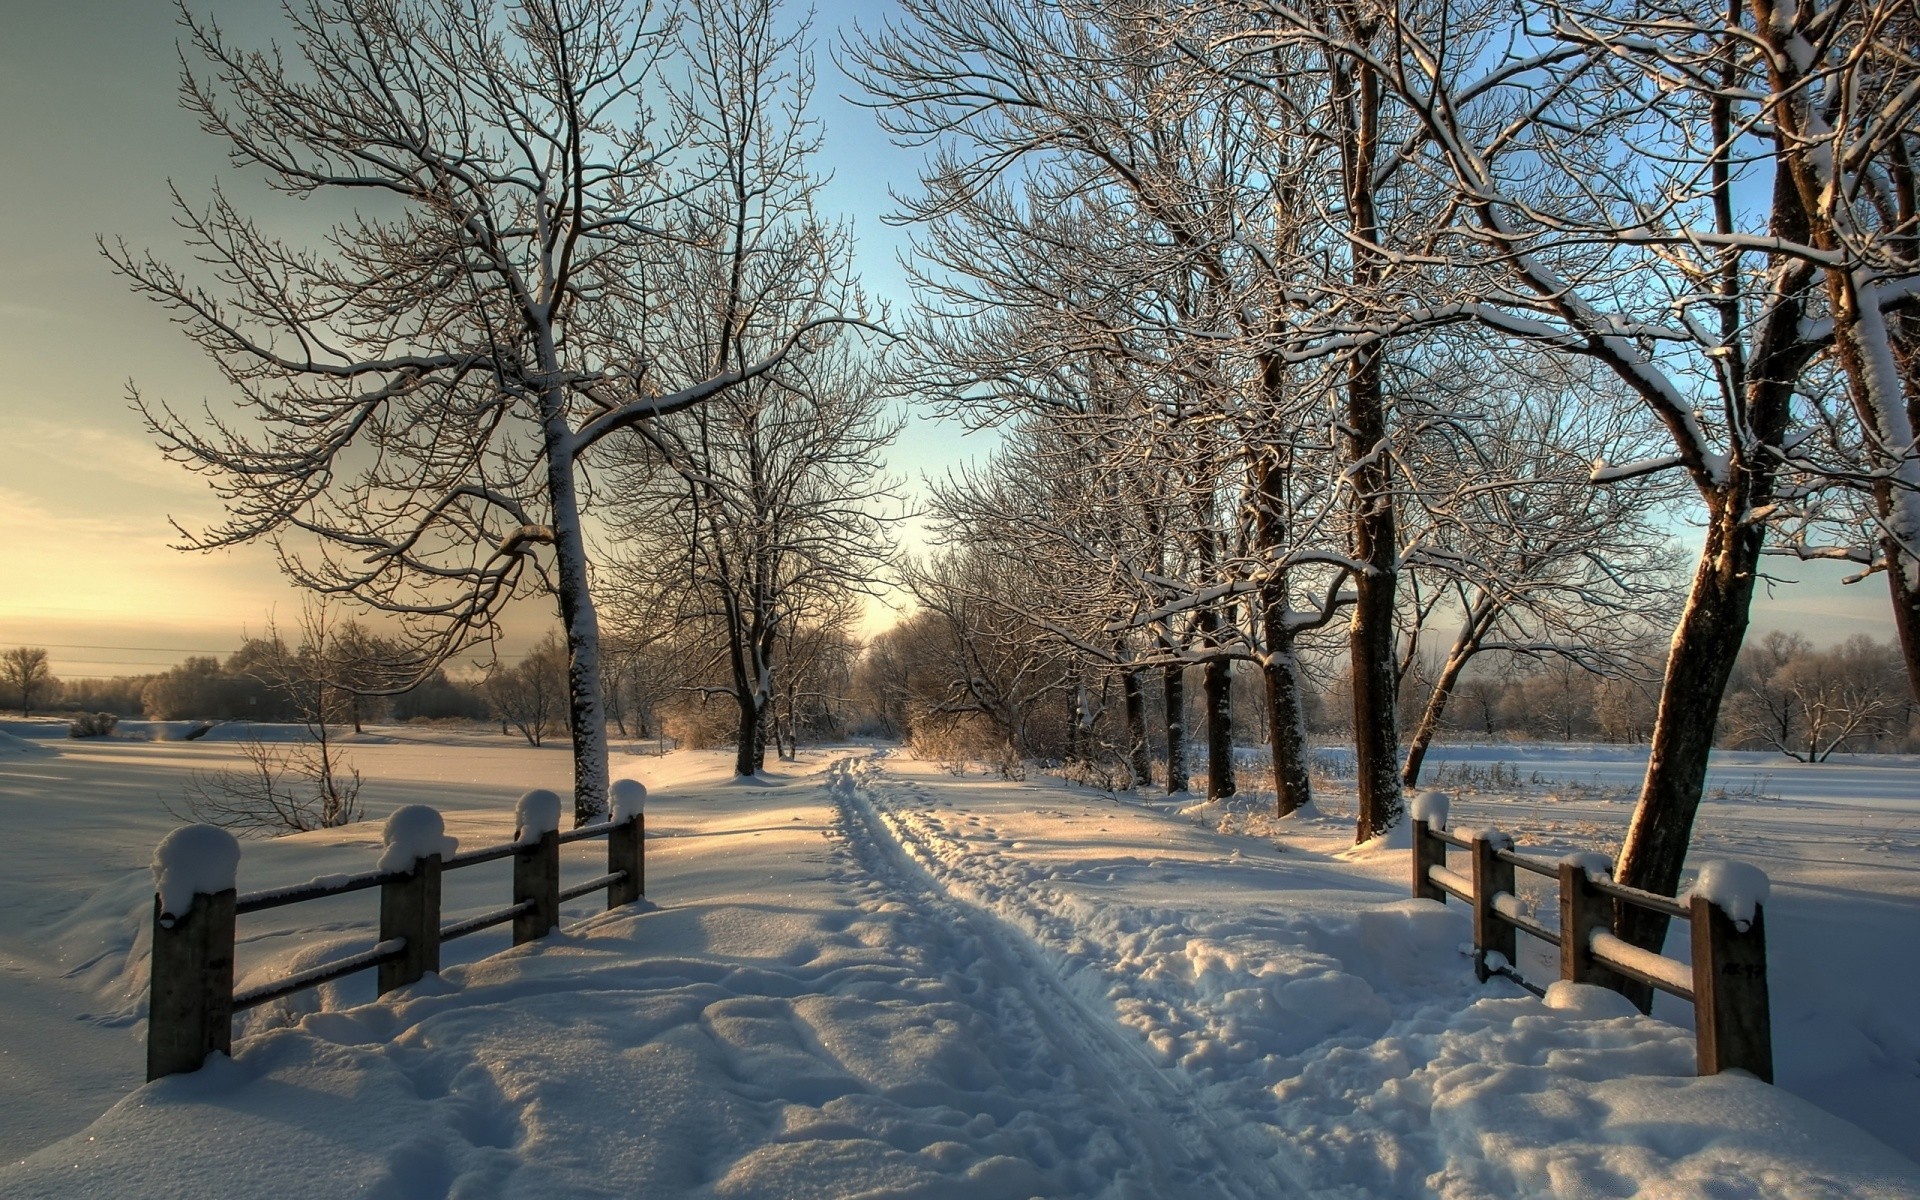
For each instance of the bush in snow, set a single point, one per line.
(92, 725)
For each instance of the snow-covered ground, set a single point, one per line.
(868, 978)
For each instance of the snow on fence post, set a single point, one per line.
(1492, 934)
(416, 842)
(536, 865)
(1429, 813)
(1583, 910)
(190, 993)
(627, 843)
(1732, 1017)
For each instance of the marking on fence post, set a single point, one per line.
(1732, 1016)
(1491, 933)
(190, 996)
(410, 909)
(536, 878)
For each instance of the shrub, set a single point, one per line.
(92, 725)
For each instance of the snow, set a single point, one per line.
(629, 798)
(535, 815)
(1617, 952)
(1432, 806)
(872, 978)
(1596, 865)
(1737, 889)
(414, 832)
(194, 860)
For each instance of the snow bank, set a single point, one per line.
(629, 799)
(413, 832)
(193, 860)
(1735, 888)
(9, 744)
(535, 815)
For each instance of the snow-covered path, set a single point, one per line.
(873, 979)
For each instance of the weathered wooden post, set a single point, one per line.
(627, 842)
(190, 993)
(1492, 934)
(1429, 813)
(536, 865)
(1732, 1017)
(416, 842)
(1583, 909)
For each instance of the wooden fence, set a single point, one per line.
(192, 1001)
(1726, 982)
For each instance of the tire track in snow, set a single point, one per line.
(1193, 1150)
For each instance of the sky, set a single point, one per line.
(90, 136)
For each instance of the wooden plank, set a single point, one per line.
(1428, 852)
(1732, 1015)
(190, 994)
(1491, 877)
(626, 854)
(410, 910)
(1584, 909)
(536, 883)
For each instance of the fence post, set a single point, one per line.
(190, 995)
(1428, 852)
(1732, 1020)
(1491, 932)
(410, 909)
(627, 842)
(536, 878)
(1583, 909)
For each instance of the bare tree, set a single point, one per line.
(290, 788)
(417, 399)
(25, 670)
(531, 695)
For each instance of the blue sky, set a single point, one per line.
(90, 134)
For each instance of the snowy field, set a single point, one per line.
(871, 978)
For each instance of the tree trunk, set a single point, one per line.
(1139, 762)
(1705, 645)
(1430, 715)
(586, 718)
(1173, 681)
(747, 745)
(1370, 633)
(1286, 723)
(1217, 689)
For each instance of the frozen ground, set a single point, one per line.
(870, 979)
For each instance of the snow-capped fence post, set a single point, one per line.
(410, 904)
(536, 866)
(1429, 813)
(1584, 909)
(627, 843)
(190, 992)
(1492, 876)
(1732, 1015)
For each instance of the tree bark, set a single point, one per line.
(1139, 762)
(1173, 682)
(1286, 720)
(1370, 632)
(586, 716)
(1217, 689)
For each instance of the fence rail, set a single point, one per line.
(1726, 982)
(191, 999)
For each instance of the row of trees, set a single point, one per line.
(1274, 297)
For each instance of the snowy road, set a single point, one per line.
(1171, 1143)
